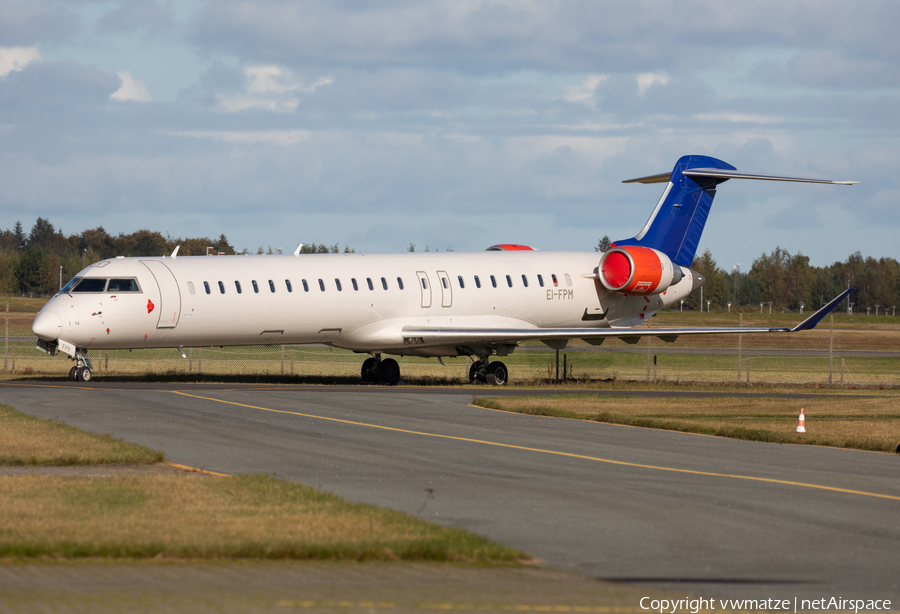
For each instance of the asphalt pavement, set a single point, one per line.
(713, 516)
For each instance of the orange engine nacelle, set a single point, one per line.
(638, 270)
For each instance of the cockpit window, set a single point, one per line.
(123, 285)
(91, 284)
(69, 285)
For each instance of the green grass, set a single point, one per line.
(26, 440)
(864, 423)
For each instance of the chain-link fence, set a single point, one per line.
(825, 355)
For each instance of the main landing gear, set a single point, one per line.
(378, 371)
(83, 369)
(484, 372)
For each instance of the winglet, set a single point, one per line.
(810, 322)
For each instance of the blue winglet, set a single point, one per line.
(811, 321)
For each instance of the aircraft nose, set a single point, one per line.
(47, 325)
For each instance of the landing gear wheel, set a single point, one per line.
(389, 372)
(73, 374)
(369, 373)
(497, 375)
(83, 374)
(474, 377)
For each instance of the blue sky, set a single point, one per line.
(455, 124)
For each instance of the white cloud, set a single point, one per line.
(270, 88)
(17, 58)
(584, 93)
(646, 79)
(131, 89)
(274, 137)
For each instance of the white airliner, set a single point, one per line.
(437, 304)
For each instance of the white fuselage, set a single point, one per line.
(352, 301)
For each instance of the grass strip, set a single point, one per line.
(845, 422)
(27, 440)
(207, 517)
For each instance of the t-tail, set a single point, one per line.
(677, 222)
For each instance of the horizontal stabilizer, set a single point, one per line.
(717, 173)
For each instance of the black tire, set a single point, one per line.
(473, 373)
(83, 374)
(389, 372)
(369, 374)
(498, 374)
(73, 374)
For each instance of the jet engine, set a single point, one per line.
(638, 270)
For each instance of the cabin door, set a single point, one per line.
(169, 295)
(424, 288)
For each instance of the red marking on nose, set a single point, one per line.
(150, 305)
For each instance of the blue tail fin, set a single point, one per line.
(676, 224)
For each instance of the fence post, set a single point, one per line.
(831, 351)
(14, 359)
(282, 360)
(292, 361)
(557, 365)
(6, 339)
(200, 361)
(106, 363)
(190, 360)
(748, 371)
(842, 371)
(740, 324)
(649, 345)
(565, 367)
(654, 368)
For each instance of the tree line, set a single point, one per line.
(34, 262)
(786, 280)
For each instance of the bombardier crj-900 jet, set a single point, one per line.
(479, 305)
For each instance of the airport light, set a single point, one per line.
(209, 248)
(707, 306)
(760, 307)
(868, 310)
(770, 306)
(682, 306)
(893, 312)
(801, 306)
(876, 310)
(729, 307)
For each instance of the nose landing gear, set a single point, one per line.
(83, 369)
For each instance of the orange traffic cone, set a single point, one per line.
(801, 424)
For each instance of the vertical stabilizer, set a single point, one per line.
(677, 222)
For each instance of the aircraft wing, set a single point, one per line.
(432, 336)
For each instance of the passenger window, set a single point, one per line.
(321, 285)
(369, 281)
(477, 282)
(190, 286)
(255, 286)
(568, 280)
(509, 281)
(90, 284)
(271, 285)
(462, 284)
(384, 283)
(337, 283)
(493, 281)
(400, 283)
(130, 285)
(206, 286)
(305, 286)
(287, 283)
(424, 284)
(221, 288)
(353, 281)
(237, 286)
(445, 282)
(524, 281)
(540, 280)
(555, 281)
